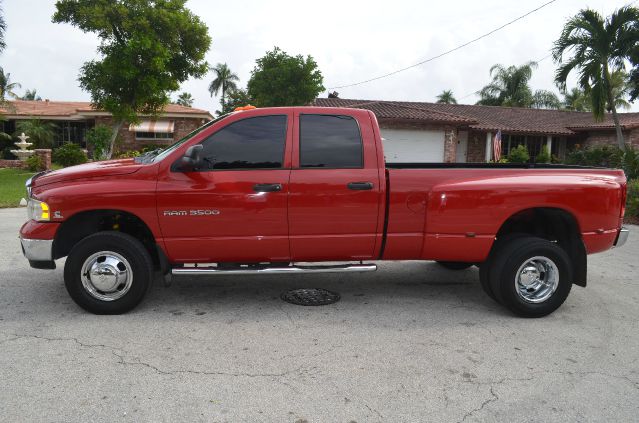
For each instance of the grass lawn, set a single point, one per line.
(12, 186)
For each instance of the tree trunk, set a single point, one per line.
(114, 135)
(611, 104)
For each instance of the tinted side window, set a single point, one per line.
(251, 143)
(330, 141)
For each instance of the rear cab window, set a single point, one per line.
(330, 142)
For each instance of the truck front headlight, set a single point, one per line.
(38, 210)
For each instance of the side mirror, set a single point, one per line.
(192, 159)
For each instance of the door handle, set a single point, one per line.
(360, 186)
(267, 187)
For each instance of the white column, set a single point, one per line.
(549, 144)
(489, 146)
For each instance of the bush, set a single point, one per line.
(34, 163)
(607, 156)
(69, 155)
(99, 137)
(543, 156)
(519, 154)
(632, 199)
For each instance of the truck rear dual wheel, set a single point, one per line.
(108, 273)
(530, 276)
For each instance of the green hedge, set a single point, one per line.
(632, 200)
(607, 156)
(69, 155)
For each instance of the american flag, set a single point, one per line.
(497, 146)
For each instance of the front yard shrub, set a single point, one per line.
(129, 154)
(632, 199)
(543, 156)
(34, 163)
(607, 156)
(99, 138)
(519, 154)
(69, 155)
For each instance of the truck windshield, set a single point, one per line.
(159, 154)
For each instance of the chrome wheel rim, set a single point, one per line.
(537, 279)
(106, 276)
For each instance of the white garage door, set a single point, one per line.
(413, 146)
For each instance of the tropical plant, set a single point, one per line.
(632, 201)
(41, 133)
(69, 154)
(633, 77)
(576, 100)
(596, 47)
(185, 99)
(236, 98)
(607, 156)
(34, 163)
(446, 97)
(224, 81)
(31, 95)
(282, 80)
(519, 154)
(99, 138)
(6, 86)
(510, 87)
(620, 88)
(147, 49)
(3, 28)
(544, 156)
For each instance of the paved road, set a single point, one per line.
(411, 342)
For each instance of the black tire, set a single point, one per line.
(454, 265)
(484, 268)
(123, 245)
(507, 262)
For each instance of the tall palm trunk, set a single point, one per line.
(114, 135)
(611, 103)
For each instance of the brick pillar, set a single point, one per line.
(45, 157)
(450, 146)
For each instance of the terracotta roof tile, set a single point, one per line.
(70, 108)
(492, 118)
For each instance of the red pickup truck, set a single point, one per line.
(287, 190)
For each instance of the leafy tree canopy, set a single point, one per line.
(282, 80)
(236, 98)
(148, 48)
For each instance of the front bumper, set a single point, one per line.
(37, 249)
(622, 237)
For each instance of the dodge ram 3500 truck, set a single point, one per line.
(287, 190)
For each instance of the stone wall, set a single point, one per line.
(45, 157)
(12, 163)
(609, 137)
(476, 152)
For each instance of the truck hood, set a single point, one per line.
(86, 171)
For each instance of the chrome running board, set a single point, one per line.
(257, 269)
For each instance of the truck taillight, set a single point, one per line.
(624, 192)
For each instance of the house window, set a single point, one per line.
(70, 132)
(534, 144)
(146, 136)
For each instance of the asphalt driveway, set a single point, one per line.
(411, 342)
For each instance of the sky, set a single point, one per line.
(350, 40)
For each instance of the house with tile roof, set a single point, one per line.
(434, 132)
(73, 118)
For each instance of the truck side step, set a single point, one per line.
(265, 269)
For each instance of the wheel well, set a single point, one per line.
(555, 225)
(83, 224)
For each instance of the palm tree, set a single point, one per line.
(185, 99)
(620, 88)
(446, 97)
(6, 86)
(544, 99)
(3, 28)
(599, 47)
(41, 133)
(224, 80)
(509, 86)
(31, 95)
(576, 100)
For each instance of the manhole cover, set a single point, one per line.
(310, 297)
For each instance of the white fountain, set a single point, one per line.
(23, 153)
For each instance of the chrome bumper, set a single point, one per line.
(37, 249)
(622, 237)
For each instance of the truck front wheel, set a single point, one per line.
(108, 273)
(531, 276)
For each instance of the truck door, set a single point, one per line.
(234, 209)
(335, 197)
